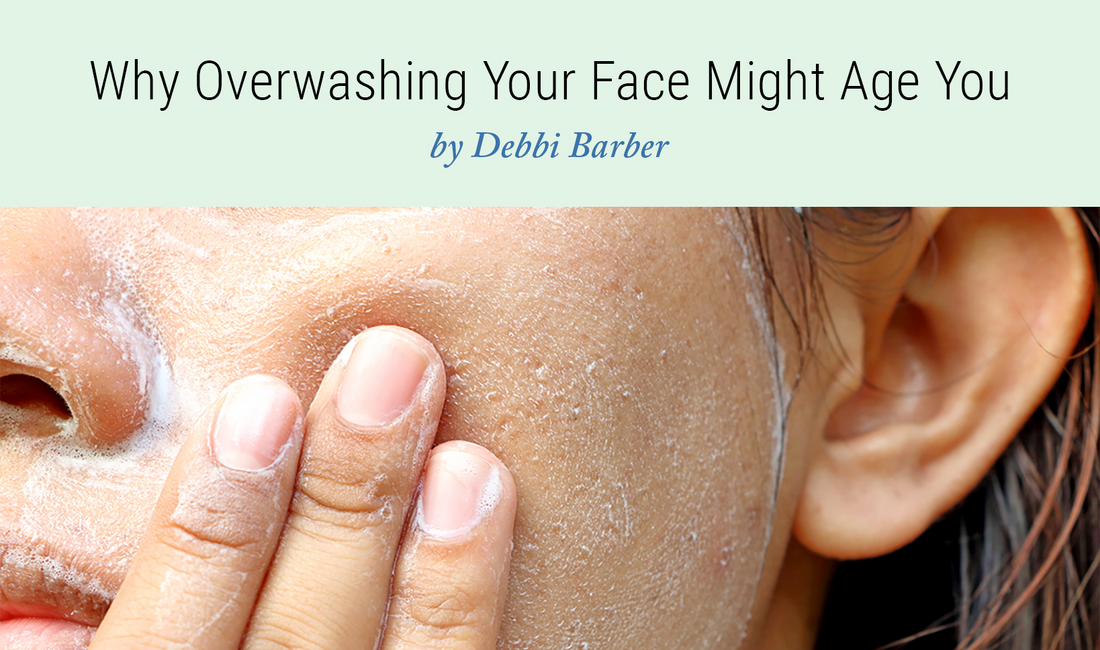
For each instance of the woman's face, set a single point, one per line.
(619, 362)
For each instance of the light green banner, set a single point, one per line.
(1019, 125)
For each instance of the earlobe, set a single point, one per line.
(955, 364)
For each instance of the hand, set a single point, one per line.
(275, 530)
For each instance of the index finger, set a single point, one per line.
(214, 530)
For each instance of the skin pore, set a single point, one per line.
(620, 363)
(612, 361)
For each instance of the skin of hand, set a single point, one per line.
(278, 529)
(619, 362)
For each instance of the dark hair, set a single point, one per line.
(1015, 565)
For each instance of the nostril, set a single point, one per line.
(34, 396)
(30, 406)
(72, 318)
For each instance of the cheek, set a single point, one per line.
(641, 436)
(623, 381)
(653, 512)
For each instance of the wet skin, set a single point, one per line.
(616, 361)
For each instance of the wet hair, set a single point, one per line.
(1015, 565)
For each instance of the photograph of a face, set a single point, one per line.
(549, 428)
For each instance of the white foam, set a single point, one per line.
(9, 351)
(54, 571)
(755, 298)
(111, 306)
(156, 388)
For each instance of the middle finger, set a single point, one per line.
(368, 432)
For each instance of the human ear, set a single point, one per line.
(952, 366)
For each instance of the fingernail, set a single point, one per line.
(459, 491)
(380, 378)
(254, 423)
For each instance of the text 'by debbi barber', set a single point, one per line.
(581, 144)
(768, 85)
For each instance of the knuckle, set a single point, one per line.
(289, 643)
(148, 638)
(454, 613)
(348, 503)
(279, 633)
(210, 533)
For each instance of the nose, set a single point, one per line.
(74, 359)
